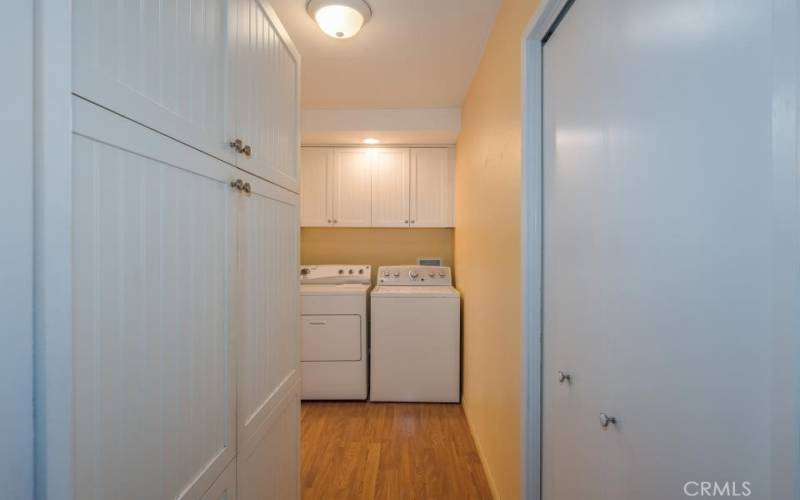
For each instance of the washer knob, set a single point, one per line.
(386, 273)
(432, 275)
(414, 275)
(396, 274)
(341, 271)
(350, 271)
(360, 271)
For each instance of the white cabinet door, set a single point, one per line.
(154, 370)
(224, 488)
(390, 187)
(352, 188)
(162, 64)
(267, 466)
(432, 187)
(265, 97)
(316, 202)
(265, 315)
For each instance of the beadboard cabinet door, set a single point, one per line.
(432, 187)
(162, 64)
(316, 198)
(154, 391)
(390, 187)
(265, 316)
(265, 76)
(352, 188)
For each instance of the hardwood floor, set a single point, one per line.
(396, 451)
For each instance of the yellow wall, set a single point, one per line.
(487, 249)
(374, 246)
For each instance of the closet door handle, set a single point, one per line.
(605, 420)
(247, 150)
(246, 188)
(564, 377)
(238, 184)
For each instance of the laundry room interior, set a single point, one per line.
(400, 249)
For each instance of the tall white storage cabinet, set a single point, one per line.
(184, 227)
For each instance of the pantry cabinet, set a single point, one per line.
(184, 220)
(377, 187)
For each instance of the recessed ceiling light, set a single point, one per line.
(371, 141)
(340, 18)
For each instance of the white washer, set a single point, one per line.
(334, 331)
(415, 336)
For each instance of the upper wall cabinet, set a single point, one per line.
(432, 187)
(219, 75)
(377, 187)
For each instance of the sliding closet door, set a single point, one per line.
(671, 250)
(266, 321)
(154, 392)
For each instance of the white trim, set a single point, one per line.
(53, 249)
(531, 219)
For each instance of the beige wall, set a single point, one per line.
(487, 249)
(374, 246)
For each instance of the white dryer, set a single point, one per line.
(334, 331)
(415, 336)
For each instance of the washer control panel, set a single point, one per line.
(335, 274)
(414, 276)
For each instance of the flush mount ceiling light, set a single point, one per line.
(340, 18)
(371, 141)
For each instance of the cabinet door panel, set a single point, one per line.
(162, 64)
(432, 187)
(154, 392)
(224, 488)
(268, 463)
(266, 96)
(390, 187)
(316, 205)
(266, 318)
(352, 188)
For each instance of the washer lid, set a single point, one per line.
(412, 292)
(341, 289)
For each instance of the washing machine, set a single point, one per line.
(334, 331)
(415, 346)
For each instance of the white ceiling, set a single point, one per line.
(411, 54)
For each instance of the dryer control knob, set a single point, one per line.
(414, 275)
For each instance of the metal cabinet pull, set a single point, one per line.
(605, 420)
(246, 188)
(564, 377)
(238, 184)
(247, 150)
(237, 145)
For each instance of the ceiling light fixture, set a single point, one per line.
(371, 141)
(340, 18)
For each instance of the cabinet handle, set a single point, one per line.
(238, 184)
(237, 145)
(564, 377)
(246, 188)
(247, 150)
(318, 323)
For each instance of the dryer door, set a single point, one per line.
(331, 337)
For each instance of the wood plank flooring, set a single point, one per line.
(353, 450)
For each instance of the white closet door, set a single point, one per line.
(352, 188)
(268, 465)
(154, 371)
(266, 76)
(162, 64)
(390, 187)
(316, 204)
(224, 488)
(671, 249)
(265, 318)
(432, 187)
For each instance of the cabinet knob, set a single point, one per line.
(247, 150)
(237, 145)
(564, 377)
(605, 420)
(405, 222)
(246, 188)
(238, 184)
(413, 222)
